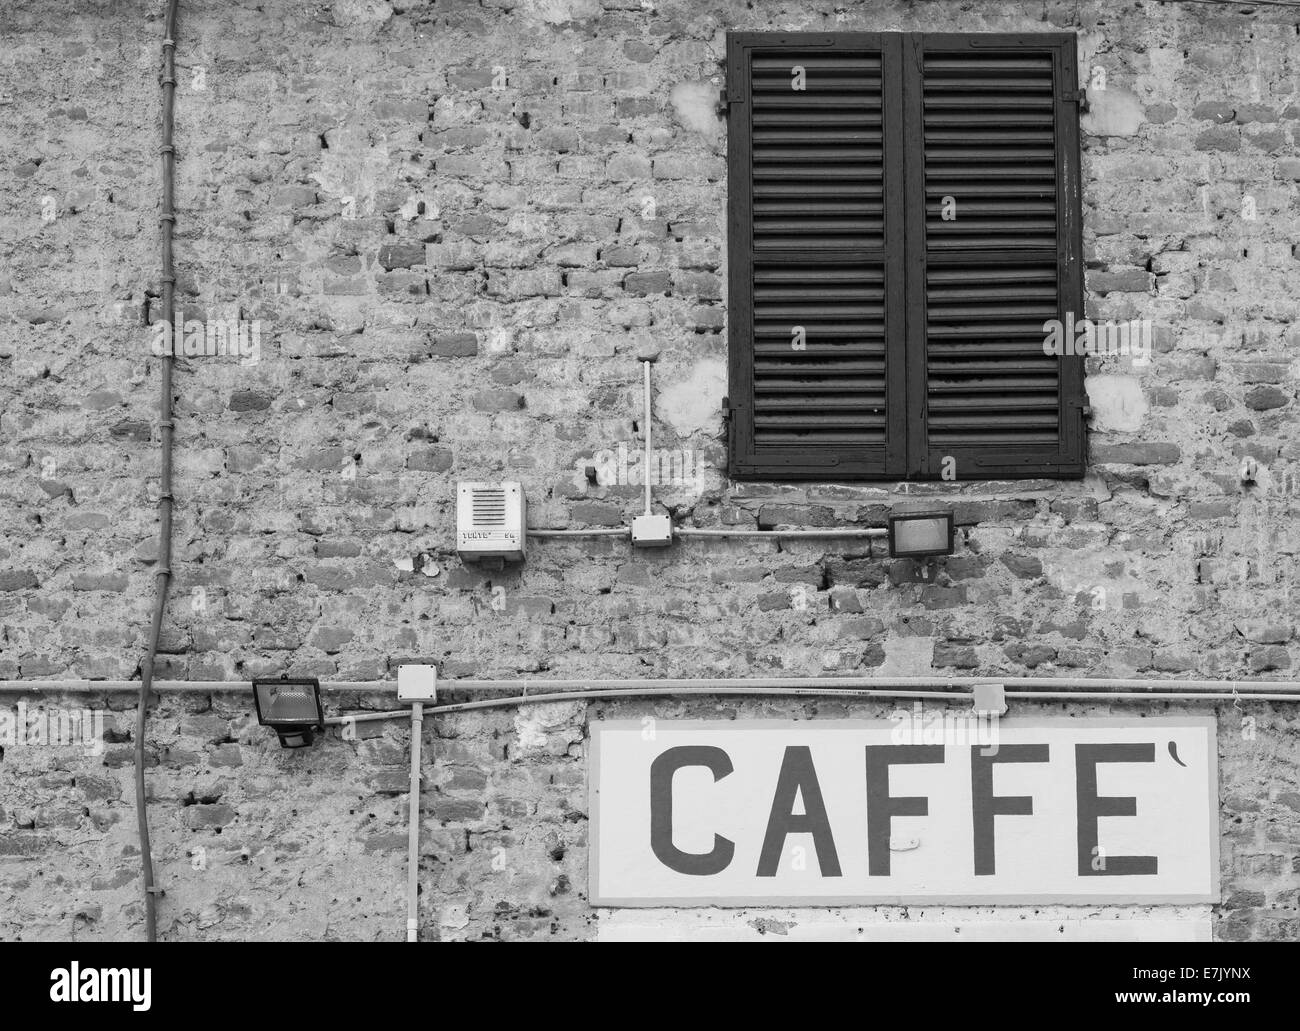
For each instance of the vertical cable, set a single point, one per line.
(413, 828)
(646, 471)
(163, 574)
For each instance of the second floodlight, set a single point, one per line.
(920, 534)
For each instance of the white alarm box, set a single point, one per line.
(491, 521)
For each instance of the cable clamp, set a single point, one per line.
(168, 80)
(166, 424)
(169, 42)
(167, 216)
(168, 279)
(1236, 698)
(153, 889)
(165, 571)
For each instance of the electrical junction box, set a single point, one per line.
(417, 683)
(652, 531)
(491, 522)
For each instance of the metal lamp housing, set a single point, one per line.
(921, 534)
(292, 707)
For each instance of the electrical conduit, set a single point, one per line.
(413, 828)
(162, 576)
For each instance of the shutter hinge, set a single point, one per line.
(725, 99)
(729, 428)
(1077, 96)
(729, 421)
(1085, 409)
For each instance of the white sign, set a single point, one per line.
(850, 812)
(863, 925)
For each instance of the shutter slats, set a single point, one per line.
(817, 188)
(821, 146)
(989, 144)
(832, 390)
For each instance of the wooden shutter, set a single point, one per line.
(815, 246)
(923, 335)
(993, 135)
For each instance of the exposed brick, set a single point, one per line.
(498, 401)
(249, 401)
(1224, 138)
(454, 345)
(1263, 398)
(401, 255)
(594, 513)
(432, 459)
(1023, 566)
(1128, 280)
(1137, 454)
(17, 579)
(647, 282)
(1214, 111)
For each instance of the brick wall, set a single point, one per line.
(456, 226)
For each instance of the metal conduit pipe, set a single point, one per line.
(639, 692)
(830, 533)
(413, 828)
(163, 574)
(1063, 686)
(645, 473)
(543, 534)
(1054, 696)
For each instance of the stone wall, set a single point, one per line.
(451, 229)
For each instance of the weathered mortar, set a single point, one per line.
(459, 225)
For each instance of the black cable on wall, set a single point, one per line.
(163, 574)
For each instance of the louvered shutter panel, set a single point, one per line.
(815, 250)
(994, 253)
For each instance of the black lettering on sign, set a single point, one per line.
(666, 764)
(1086, 758)
(881, 807)
(985, 805)
(798, 777)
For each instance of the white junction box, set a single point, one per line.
(491, 521)
(417, 683)
(652, 531)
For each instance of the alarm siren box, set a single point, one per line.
(491, 521)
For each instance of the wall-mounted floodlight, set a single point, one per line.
(920, 534)
(292, 707)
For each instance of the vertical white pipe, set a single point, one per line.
(646, 471)
(413, 828)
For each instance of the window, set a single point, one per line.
(903, 225)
